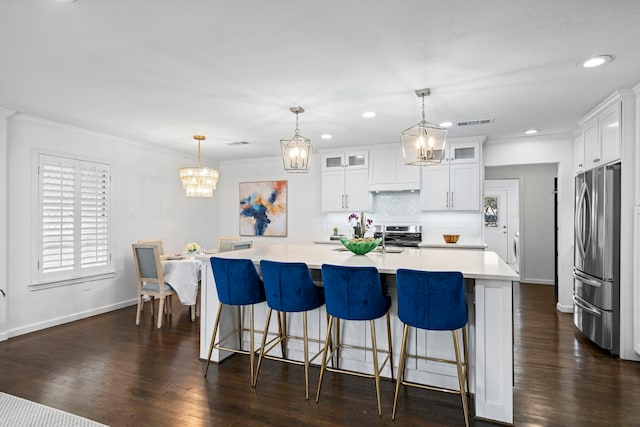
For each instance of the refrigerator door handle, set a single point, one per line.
(586, 308)
(586, 280)
(578, 223)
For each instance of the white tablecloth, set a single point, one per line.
(183, 276)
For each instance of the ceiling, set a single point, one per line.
(159, 71)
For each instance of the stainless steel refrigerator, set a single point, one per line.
(596, 272)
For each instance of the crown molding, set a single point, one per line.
(5, 112)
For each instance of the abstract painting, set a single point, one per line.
(263, 208)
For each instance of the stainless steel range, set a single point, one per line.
(408, 236)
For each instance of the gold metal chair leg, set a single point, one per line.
(262, 345)
(284, 335)
(461, 380)
(240, 327)
(465, 348)
(400, 376)
(324, 357)
(337, 343)
(306, 355)
(389, 340)
(375, 364)
(213, 338)
(252, 354)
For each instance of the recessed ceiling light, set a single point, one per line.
(596, 61)
(368, 114)
(446, 124)
(325, 136)
(531, 131)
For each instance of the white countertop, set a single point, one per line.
(422, 244)
(474, 264)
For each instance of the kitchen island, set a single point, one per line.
(489, 299)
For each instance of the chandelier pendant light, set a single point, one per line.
(423, 144)
(199, 181)
(296, 150)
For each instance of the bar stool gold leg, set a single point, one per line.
(306, 355)
(252, 354)
(240, 327)
(466, 356)
(375, 364)
(389, 340)
(337, 357)
(403, 351)
(461, 379)
(283, 342)
(262, 345)
(324, 357)
(213, 338)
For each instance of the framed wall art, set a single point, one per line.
(263, 208)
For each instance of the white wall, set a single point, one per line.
(147, 202)
(556, 149)
(536, 218)
(305, 222)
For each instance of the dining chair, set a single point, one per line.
(433, 301)
(238, 284)
(244, 244)
(289, 288)
(226, 243)
(355, 293)
(151, 280)
(158, 242)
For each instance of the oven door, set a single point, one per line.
(595, 323)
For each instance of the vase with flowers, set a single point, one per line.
(360, 224)
(191, 249)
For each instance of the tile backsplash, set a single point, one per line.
(403, 208)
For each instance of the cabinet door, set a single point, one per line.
(464, 187)
(610, 141)
(333, 161)
(578, 154)
(332, 186)
(382, 165)
(407, 174)
(357, 189)
(591, 144)
(463, 152)
(434, 190)
(356, 159)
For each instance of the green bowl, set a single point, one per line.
(362, 247)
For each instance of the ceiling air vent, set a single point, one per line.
(475, 122)
(238, 143)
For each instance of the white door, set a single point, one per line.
(501, 218)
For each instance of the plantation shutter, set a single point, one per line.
(58, 214)
(74, 218)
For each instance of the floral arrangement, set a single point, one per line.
(359, 223)
(192, 247)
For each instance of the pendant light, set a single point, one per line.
(423, 143)
(199, 181)
(296, 150)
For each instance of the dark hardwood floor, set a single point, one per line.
(107, 369)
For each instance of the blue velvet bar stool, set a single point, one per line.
(433, 301)
(289, 289)
(238, 284)
(355, 293)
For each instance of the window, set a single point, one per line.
(74, 231)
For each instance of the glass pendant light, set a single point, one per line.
(423, 144)
(296, 150)
(199, 181)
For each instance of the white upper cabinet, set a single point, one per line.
(600, 139)
(455, 183)
(344, 181)
(387, 171)
(578, 153)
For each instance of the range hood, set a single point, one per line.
(394, 187)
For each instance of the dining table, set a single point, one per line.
(183, 274)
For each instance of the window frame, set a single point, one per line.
(77, 272)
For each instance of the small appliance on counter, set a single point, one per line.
(596, 271)
(408, 236)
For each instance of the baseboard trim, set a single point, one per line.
(564, 308)
(69, 318)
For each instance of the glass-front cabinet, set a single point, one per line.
(351, 159)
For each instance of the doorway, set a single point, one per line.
(501, 219)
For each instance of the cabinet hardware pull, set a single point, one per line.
(447, 200)
(346, 197)
(342, 201)
(452, 199)
(596, 160)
